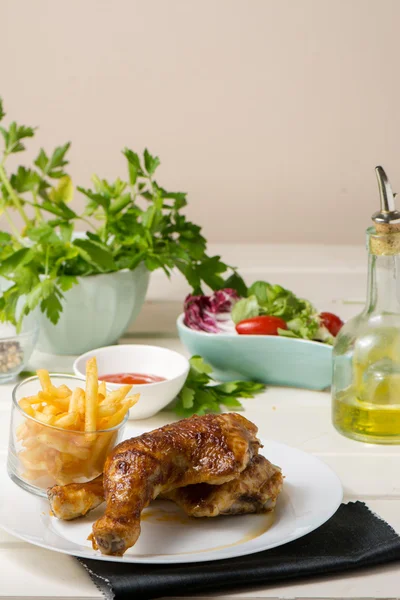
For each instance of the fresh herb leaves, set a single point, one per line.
(129, 222)
(13, 136)
(200, 394)
(53, 166)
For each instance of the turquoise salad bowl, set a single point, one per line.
(269, 359)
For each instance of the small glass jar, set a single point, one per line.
(16, 348)
(366, 356)
(42, 455)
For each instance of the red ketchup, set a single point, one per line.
(131, 378)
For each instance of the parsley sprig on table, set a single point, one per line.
(128, 222)
(201, 394)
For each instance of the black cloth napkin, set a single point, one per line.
(353, 538)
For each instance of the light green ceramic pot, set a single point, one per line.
(270, 359)
(96, 312)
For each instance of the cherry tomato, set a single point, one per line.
(264, 325)
(332, 322)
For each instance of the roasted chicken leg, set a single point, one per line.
(210, 449)
(254, 491)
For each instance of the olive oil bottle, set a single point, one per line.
(366, 356)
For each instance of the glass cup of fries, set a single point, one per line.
(63, 428)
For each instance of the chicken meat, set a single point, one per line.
(211, 449)
(73, 500)
(255, 490)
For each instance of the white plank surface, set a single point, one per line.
(300, 418)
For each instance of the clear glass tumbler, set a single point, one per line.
(42, 455)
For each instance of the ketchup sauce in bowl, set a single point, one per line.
(131, 378)
(157, 374)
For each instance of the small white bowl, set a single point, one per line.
(149, 360)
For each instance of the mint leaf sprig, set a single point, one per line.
(201, 395)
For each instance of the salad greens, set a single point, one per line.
(228, 307)
(266, 299)
(201, 395)
(128, 222)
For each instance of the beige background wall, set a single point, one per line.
(271, 114)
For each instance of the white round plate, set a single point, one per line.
(312, 494)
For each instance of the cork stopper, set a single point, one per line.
(386, 240)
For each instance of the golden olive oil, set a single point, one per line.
(366, 402)
(366, 421)
(366, 354)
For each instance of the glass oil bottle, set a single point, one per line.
(366, 356)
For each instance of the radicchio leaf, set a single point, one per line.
(210, 313)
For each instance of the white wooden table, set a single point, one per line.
(296, 417)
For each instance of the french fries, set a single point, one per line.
(72, 432)
(77, 401)
(92, 395)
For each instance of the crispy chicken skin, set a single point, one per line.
(254, 491)
(74, 500)
(210, 449)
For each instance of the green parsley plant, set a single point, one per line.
(129, 221)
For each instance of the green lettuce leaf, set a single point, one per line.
(246, 308)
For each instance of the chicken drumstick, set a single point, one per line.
(254, 491)
(210, 449)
